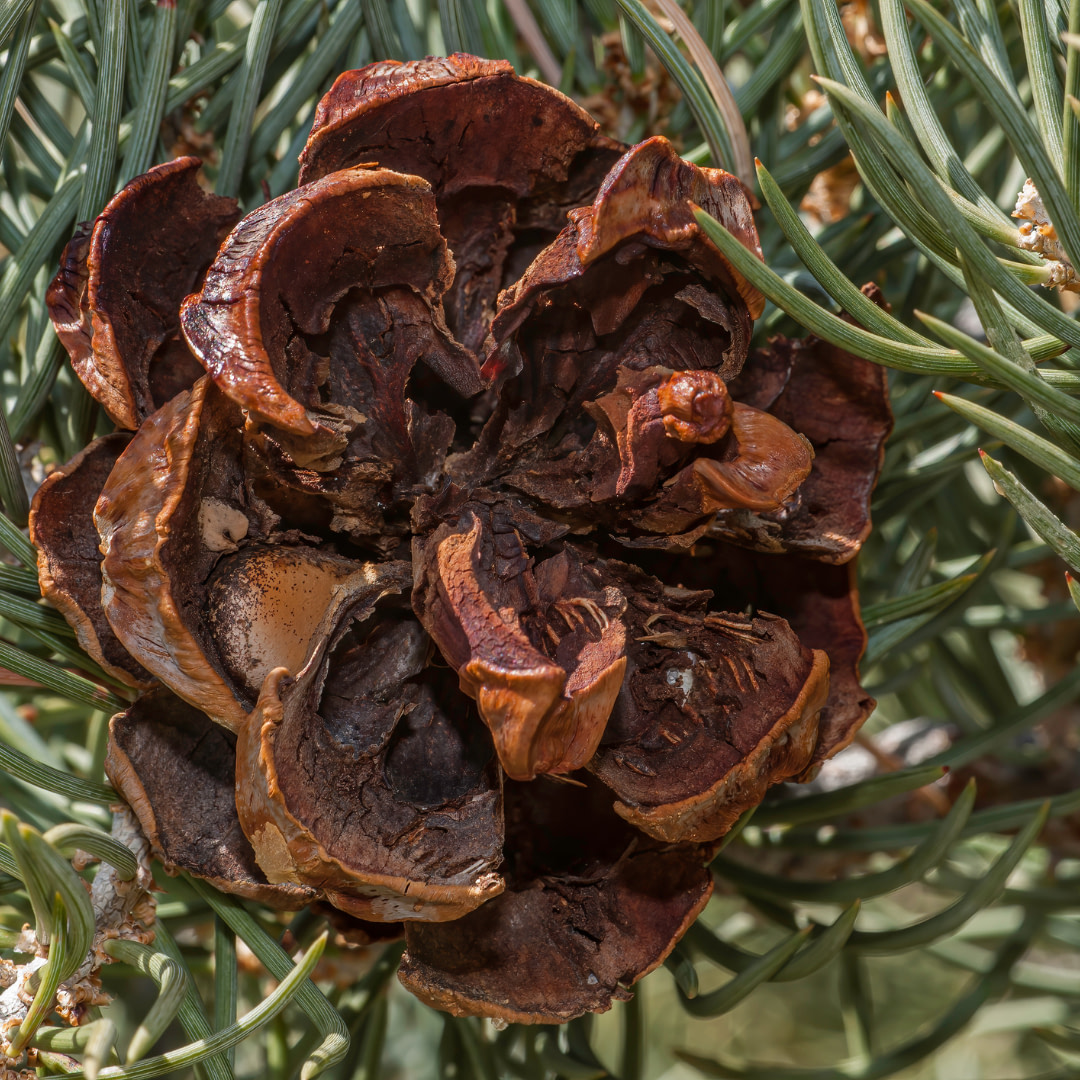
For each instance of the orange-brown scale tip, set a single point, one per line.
(696, 406)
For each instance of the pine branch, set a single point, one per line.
(90, 98)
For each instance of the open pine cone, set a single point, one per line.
(474, 579)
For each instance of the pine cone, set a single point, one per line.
(479, 583)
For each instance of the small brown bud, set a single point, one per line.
(696, 406)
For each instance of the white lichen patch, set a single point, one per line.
(1037, 233)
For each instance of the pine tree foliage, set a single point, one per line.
(882, 916)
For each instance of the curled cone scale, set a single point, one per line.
(486, 575)
(365, 777)
(542, 648)
(590, 907)
(506, 156)
(375, 231)
(69, 559)
(715, 707)
(115, 303)
(176, 769)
